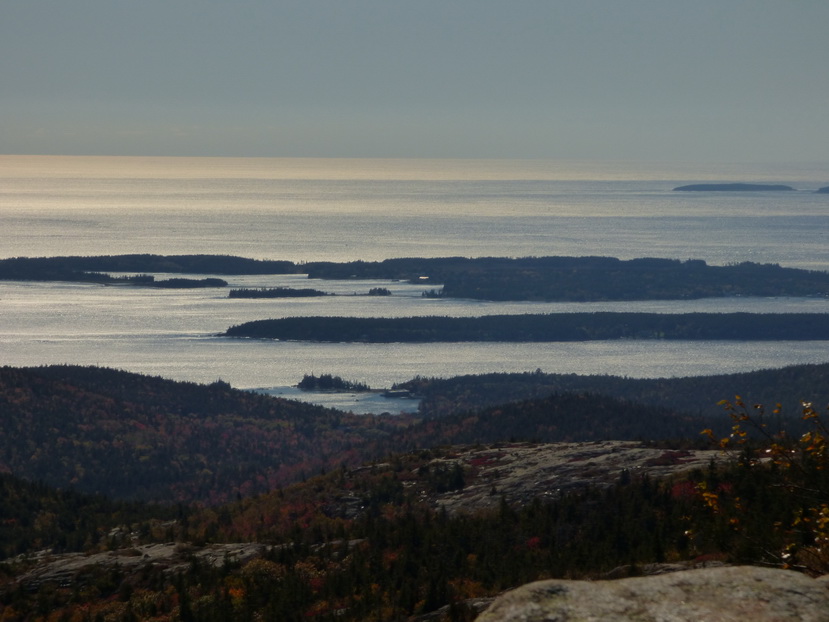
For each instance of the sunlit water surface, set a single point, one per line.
(306, 210)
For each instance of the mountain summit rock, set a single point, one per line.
(723, 594)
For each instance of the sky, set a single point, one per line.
(648, 80)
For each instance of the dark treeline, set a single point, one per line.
(568, 417)
(34, 516)
(276, 292)
(484, 278)
(543, 327)
(696, 394)
(179, 283)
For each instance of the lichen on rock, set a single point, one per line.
(724, 594)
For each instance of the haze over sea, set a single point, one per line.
(348, 209)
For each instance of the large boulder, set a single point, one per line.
(724, 594)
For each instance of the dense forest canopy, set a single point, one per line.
(172, 441)
(374, 542)
(397, 558)
(35, 515)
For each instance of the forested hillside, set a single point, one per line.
(383, 533)
(34, 516)
(395, 559)
(368, 544)
(788, 386)
(174, 441)
(571, 417)
(132, 436)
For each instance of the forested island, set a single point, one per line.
(576, 279)
(276, 292)
(734, 188)
(583, 279)
(542, 327)
(63, 268)
(294, 292)
(179, 283)
(84, 270)
(327, 382)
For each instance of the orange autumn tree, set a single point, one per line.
(778, 503)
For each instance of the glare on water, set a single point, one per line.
(338, 210)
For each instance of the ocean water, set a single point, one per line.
(339, 210)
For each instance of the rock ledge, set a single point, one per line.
(726, 594)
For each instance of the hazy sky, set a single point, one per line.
(709, 80)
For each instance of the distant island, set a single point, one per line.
(276, 292)
(327, 382)
(179, 283)
(733, 188)
(541, 327)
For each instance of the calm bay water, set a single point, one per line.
(339, 210)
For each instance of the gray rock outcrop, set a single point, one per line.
(725, 594)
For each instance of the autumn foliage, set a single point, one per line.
(778, 502)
